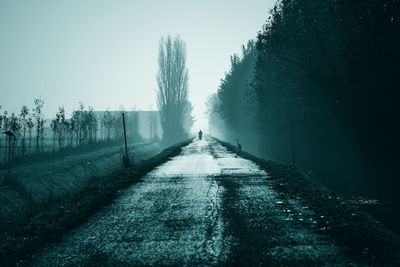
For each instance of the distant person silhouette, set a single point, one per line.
(239, 146)
(200, 134)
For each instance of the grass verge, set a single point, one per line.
(59, 154)
(49, 222)
(362, 237)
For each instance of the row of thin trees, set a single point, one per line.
(84, 127)
(27, 128)
(81, 129)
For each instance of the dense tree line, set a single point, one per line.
(319, 87)
(234, 103)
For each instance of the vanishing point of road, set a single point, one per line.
(206, 206)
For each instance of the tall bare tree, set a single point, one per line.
(60, 127)
(172, 95)
(39, 121)
(23, 117)
(30, 124)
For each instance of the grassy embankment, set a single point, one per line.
(48, 222)
(49, 153)
(362, 237)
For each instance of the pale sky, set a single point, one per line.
(104, 53)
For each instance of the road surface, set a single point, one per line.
(205, 206)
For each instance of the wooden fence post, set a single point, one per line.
(126, 146)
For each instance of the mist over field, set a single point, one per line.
(199, 133)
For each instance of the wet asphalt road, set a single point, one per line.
(204, 207)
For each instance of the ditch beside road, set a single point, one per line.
(44, 200)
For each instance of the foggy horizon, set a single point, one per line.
(191, 133)
(105, 54)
